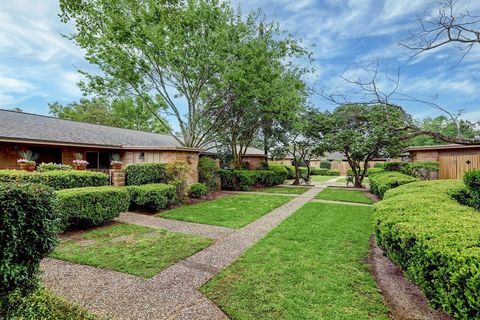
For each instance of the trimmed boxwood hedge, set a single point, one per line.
(383, 181)
(324, 172)
(91, 206)
(153, 196)
(146, 173)
(29, 227)
(56, 179)
(435, 240)
(245, 180)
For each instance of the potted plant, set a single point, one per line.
(27, 160)
(79, 163)
(116, 162)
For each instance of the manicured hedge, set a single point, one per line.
(470, 196)
(421, 169)
(325, 164)
(370, 171)
(324, 172)
(435, 240)
(153, 196)
(208, 173)
(245, 180)
(28, 233)
(197, 190)
(384, 181)
(394, 166)
(91, 206)
(146, 173)
(56, 179)
(291, 171)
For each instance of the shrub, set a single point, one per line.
(384, 181)
(29, 228)
(471, 196)
(325, 164)
(421, 169)
(394, 166)
(146, 173)
(324, 172)
(153, 196)
(434, 240)
(197, 190)
(56, 179)
(207, 173)
(290, 172)
(245, 180)
(370, 171)
(379, 165)
(43, 167)
(91, 206)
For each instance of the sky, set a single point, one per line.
(38, 65)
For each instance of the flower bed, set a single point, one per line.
(434, 240)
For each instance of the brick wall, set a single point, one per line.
(253, 162)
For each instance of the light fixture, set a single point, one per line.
(189, 159)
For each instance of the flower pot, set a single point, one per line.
(27, 166)
(80, 167)
(117, 166)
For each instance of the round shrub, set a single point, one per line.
(153, 196)
(207, 173)
(146, 173)
(29, 228)
(91, 206)
(197, 190)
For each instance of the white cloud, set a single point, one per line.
(13, 85)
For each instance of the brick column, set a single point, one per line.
(117, 177)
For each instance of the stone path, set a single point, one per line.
(172, 294)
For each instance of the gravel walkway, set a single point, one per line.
(172, 294)
(209, 231)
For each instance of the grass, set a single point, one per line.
(285, 190)
(231, 211)
(344, 180)
(131, 249)
(343, 195)
(321, 178)
(310, 267)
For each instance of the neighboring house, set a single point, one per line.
(454, 159)
(253, 157)
(56, 140)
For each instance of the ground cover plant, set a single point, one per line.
(231, 211)
(132, 249)
(310, 267)
(59, 179)
(434, 239)
(285, 190)
(343, 195)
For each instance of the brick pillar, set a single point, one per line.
(117, 177)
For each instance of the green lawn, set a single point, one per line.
(285, 190)
(344, 180)
(231, 211)
(321, 178)
(343, 195)
(131, 249)
(310, 267)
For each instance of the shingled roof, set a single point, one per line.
(27, 127)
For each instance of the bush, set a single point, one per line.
(146, 173)
(245, 180)
(380, 165)
(471, 195)
(434, 240)
(43, 167)
(324, 172)
(370, 171)
(394, 166)
(91, 206)
(207, 173)
(384, 181)
(421, 169)
(56, 179)
(29, 228)
(154, 197)
(290, 172)
(197, 190)
(325, 164)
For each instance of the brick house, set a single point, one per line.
(56, 140)
(253, 157)
(454, 159)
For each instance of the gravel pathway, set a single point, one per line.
(172, 294)
(209, 231)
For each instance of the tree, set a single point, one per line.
(464, 128)
(126, 113)
(176, 49)
(361, 133)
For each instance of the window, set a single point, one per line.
(98, 160)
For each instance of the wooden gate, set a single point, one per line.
(454, 167)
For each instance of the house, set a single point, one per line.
(253, 157)
(56, 140)
(454, 159)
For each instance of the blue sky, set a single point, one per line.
(38, 65)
